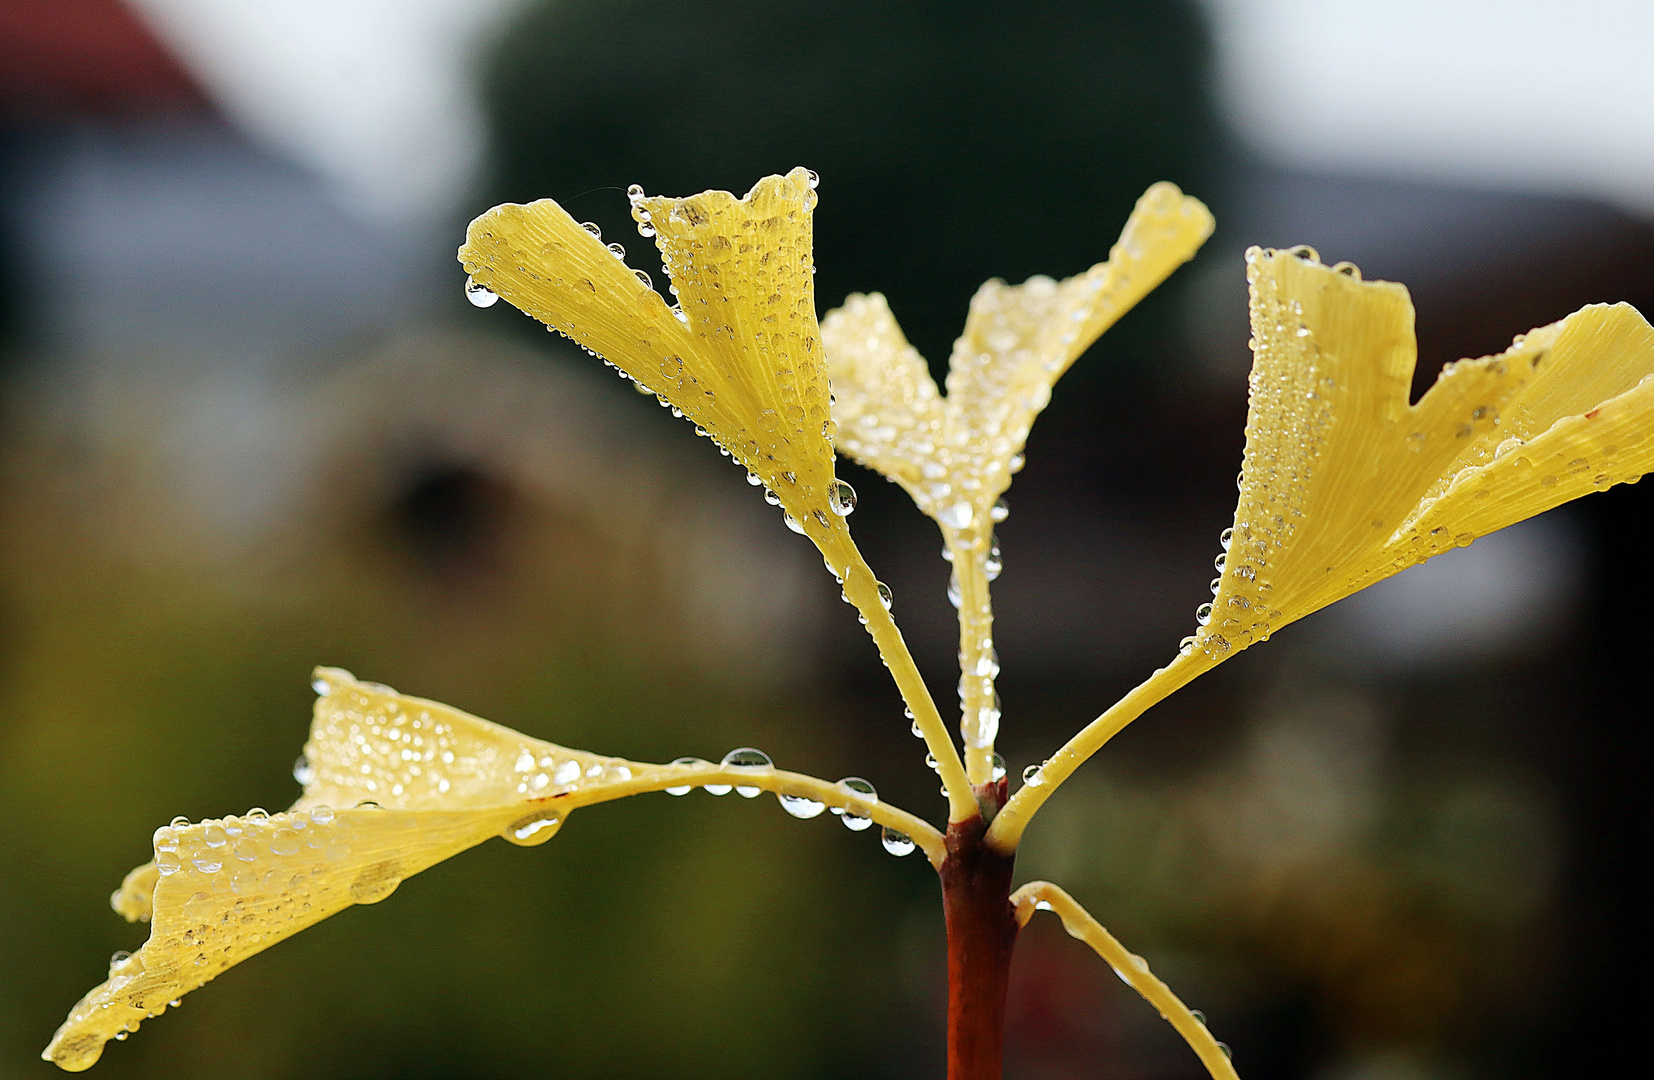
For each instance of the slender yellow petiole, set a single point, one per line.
(1006, 831)
(977, 662)
(778, 782)
(1132, 969)
(862, 589)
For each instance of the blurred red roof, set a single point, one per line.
(64, 58)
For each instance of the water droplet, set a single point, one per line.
(853, 820)
(166, 863)
(1034, 775)
(842, 498)
(897, 843)
(1000, 511)
(886, 597)
(208, 864)
(643, 279)
(322, 815)
(958, 516)
(1227, 1052)
(800, 806)
(257, 815)
(375, 882)
(754, 479)
(1016, 463)
(1198, 1015)
(635, 192)
(1203, 614)
(994, 565)
(285, 842)
(999, 768)
(956, 592)
(617, 251)
(119, 958)
(166, 838)
(302, 772)
(815, 181)
(214, 836)
(537, 828)
(180, 822)
(321, 686)
(591, 227)
(1226, 538)
(480, 295)
(688, 762)
(746, 758)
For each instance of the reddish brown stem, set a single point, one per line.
(982, 931)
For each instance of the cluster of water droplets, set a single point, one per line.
(241, 847)
(859, 795)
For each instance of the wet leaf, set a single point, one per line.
(1345, 483)
(393, 785)
(741, 358)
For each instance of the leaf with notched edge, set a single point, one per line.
(395, 784)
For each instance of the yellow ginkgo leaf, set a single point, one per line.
(393, 785)
(955, 455)
(1345, 482)
(741, 357)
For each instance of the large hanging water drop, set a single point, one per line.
(746, 757)
(801, 806)
(480, 295)
(842, 498)
(998, 768)
(897, 843)
(537, 828)
(303, 772)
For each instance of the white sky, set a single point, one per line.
(377, 95)
(1515, 94)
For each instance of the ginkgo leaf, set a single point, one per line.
(1344, 482)
(393, 785)
(741, 357)
(955, 455)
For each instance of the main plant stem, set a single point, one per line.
(982, 932)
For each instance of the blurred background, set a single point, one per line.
(248, 425)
